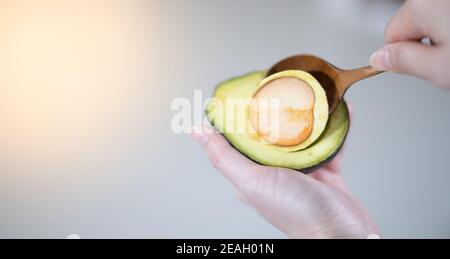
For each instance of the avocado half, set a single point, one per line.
(231, 118)
(319, 102)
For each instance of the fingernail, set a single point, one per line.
(380, 60)
(201, 134)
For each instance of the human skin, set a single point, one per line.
(320, 205)
(404, 53)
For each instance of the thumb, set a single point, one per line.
(411, 58)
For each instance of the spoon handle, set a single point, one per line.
(348, 77)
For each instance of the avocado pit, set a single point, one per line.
(282, 111)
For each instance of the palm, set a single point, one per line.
(314, 206)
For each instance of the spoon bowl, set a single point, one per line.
(335, 81)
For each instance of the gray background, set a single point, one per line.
(159, 184)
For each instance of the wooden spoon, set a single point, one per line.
(335, 81)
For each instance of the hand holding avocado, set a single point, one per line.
(317, 205)
(259, 162)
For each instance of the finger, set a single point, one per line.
(351, 110)
(243, 198)
(405, 25)
(335, 165)
(243, 173)
(407, 58)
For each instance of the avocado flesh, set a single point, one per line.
(308, 159)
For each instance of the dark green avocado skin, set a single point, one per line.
(321, 164)
(307, 170)
(312, 169)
